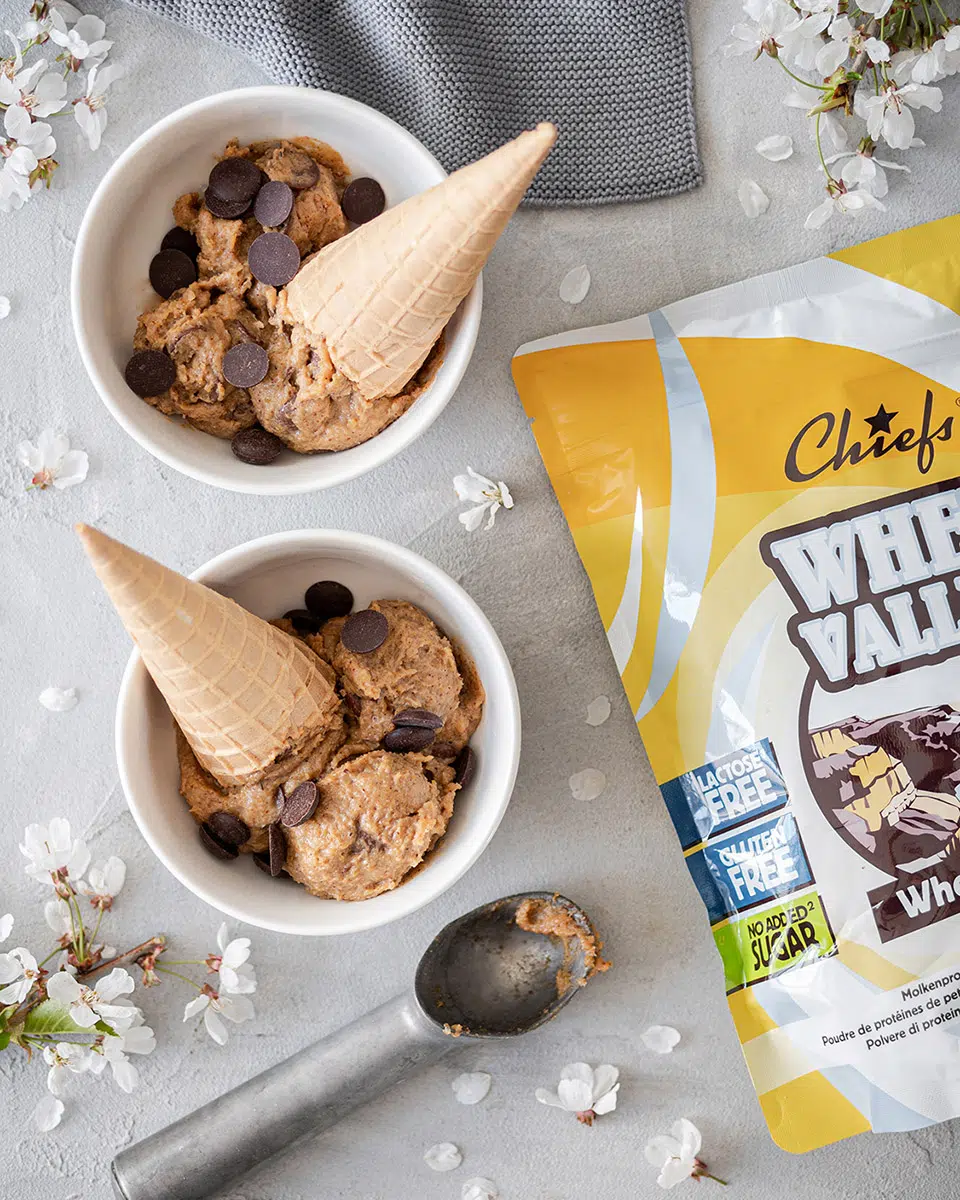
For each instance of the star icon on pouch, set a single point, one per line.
(880, 421)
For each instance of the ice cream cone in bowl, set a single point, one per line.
(362, 339)
(283, 769)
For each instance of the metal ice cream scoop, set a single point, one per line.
(481, 977)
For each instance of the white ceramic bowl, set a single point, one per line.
(269, 576)
(130, 213)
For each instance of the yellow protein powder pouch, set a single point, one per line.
(763, 483)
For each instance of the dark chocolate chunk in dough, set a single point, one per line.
(171, 270)
(277, 843)
(228, 828)
(256, 446)
(235, 180)
(245, 365)
(178, 238)
(150, 372)
(274, 259)
(300, 805)
(274, 203)
(407, 738)
(363, 200)
(422, 718)
(214, 845)
(465, 766)
(327, 599)
(303, 621)
(227, 210)
(364, 631)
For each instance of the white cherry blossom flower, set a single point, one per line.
(865, 171)
(32, 141)
(444, 1156)
(803, 40)
(876, 8)
(89, 1004)
(104, 882)
(54, 851)
(471, 1087)
(6, 926)
(89, 109)
(489, 498)
(889, 114)
(47, 1114)
(583, 1090)
(215, 1005)
(676, 1155)
(661, 1039)
(65, 1059)
(52, 461)
(84, 42)
(237, 976)
(57, 699)
(769, 22)
(14, 186)
(19, 971)
(38, 91)
(847, 204)
(19, 80)
(138, 1039)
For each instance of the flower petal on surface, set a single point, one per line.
(576, 1095)
(607, 1102)
(72, 470)
(598, 710)
(775, 148)
(674, 1171)
(4, 307)
(753, 199)
(604, 1078)
(575, 285)
(471, 1087)
(661, 1039)
(56, 699)
(479, 1188)
(444, 1156)
(472, 518)
(545, 1096)
(587, 784)
(195, 1006)
(47, 1114)
(215, 1027)
(6, 926)
(661, 1148)
(688, 1135)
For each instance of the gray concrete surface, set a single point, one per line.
(617, 857)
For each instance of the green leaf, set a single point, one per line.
(103, 1027)
(50, 1017)
(4, 1040)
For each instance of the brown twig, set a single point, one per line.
(155, 945)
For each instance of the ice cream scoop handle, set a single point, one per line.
(201, 1153)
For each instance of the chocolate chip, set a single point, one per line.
(273, 259)
(406, 738)
(235, 180)
(274, 203)
(178, 238)
(228, 829)
(150, 372)
(465, 766)
(364, 631)
(327, 599)
(442, 750)
(421, 718)
(245, 365)
(303, 621)
(300, 805)
(214, 845)
(363, 200)
(354, 703)
(277, 848)
(171, 270)
(301, 170)
(227, 210)
(256, 446)
(262, 859)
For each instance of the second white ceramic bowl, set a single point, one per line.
(128, 216)
(269, 576)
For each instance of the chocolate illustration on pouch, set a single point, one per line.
(827, 434)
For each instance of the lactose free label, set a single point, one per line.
(725, 793)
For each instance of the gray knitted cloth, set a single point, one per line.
(467, 75)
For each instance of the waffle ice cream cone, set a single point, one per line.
(242, 691)
(380, 297)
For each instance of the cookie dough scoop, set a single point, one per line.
(499, 971)
(379, 298)
(242, 691)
